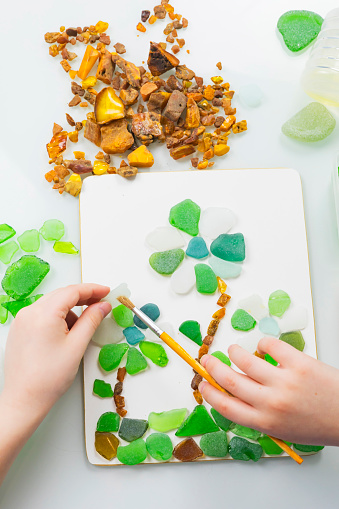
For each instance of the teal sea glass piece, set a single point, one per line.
(206, 280)
(308, 448)
(3, 310)
(108, 422)
(24, 275)
(159, 446)
(222, 357)
(229, 247)
(224, 269)
(167, 421)
(269, 446)
(123, 316)
(243, 431)
(198, 422)
(133, 335)
(110, 356)
(14, 306)
(52, 229)
(7, 251)
(155, 352)
(133, 453)
(214, 444)
(299, 28)
(185, 216)
(191, 329)
(268, 325)
(197, 248)
(278, 302)
(136, 362)
(312, 123)
(166, 262)
(132, 429)
(242, 449)
(102, 389)
(29, 241)
(65, 247)
(220, 420)
(151, 310)
(294, 338)
(241, 320)
(6, 232)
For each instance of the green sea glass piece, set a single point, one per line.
(52, 229)
(242, 449)
(191, 329)
(24, 275)
(65, 247)
(198, 422)
(155, 352)
(3, 310)
(185, 216)
(7, 251)
(14, 306)
(133, 453)
(312, 123)
(294, 338)
(221, 421)
(6, 232)
(229, 247)
(270, 359)
(123, 316)
(241, 320)
(159, 446)
(110, 356)
(243, 431)
(109, 421)
(222, 357)
(278, 302)
(166, 262)
(269, 446)
(206, 280)
(132, 429)
(299, 28)
(308, 448)
(29, 241)
(136, 362)
(214, 444)
(102, 389)
(166, 421)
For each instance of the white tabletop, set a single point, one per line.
(52, 470)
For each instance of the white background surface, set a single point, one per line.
(52, 470)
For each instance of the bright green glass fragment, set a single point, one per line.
(241, 320)
(3, 309)
(123, 316)
(185, 216)
(270, 359)
(312, 123)
(198, 422)
(294, 338)
(7, 251)
(278, 302)
(6, 232)
(14, 306)
(159, 446)
(52, 229)
(109, 421)
(24, 275)
(206, 280)
(222, 357)
(136, 362)
(102, 389)
(242, 449)
(308, 448)
(229, 247)
(29, 241)
(243, 431)
(65, 247)
(167, 421)
(110, 356)
(133, 453)
(214, 444)
(166, 262)
(155, 352)
(132, 429)
(191, 329)
(269, 446)
(221, 421)
(299, 28)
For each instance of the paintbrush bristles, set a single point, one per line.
(126, 302)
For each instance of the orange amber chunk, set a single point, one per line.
(209, 93)
(57, 145)
(152, 20)
(141, 27)
(219, 314)
(223, 299)
(221, 285)
(79, 155)
(90, 57)
(198, 397)
(141, 157)
(261, 355)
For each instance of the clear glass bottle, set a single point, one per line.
(320, 78)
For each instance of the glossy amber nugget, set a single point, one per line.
(213, 327)
(57, 145)
(106, 444)
(198, 397)
(203, 350)
(223, 299)
(219, 314)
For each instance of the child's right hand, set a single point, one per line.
(296, 401)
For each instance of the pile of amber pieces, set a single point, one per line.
(209, 338)
(118, 399)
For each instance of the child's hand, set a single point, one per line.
(297, 401)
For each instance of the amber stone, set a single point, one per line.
(187, 450)
(106, 444)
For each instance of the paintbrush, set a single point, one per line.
(193, 363)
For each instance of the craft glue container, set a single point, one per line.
(320, 78)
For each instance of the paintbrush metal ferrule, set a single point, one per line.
(147, 321)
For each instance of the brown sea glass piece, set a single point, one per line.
(187, 450)
(106, 444)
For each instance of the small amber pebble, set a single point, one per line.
(57, 145)
(198, 397)
(72, 74)
(202, 165)
(209, 153)
(213, 327)
(239, 127)
(100, 167)
(90, 57)
(106, 444)
(221, 285)
(108, 106)
(89, 82)
(141, 27)
(209, 93)
(84, 104)
(101, 27)
(183, 151)
(223, 299)
(73, 136)
(221, 149)
(217, 80)
(141, 157)
(219, 314)
(261, 355)
(187, 450)
(227, 124)
(79, 155)
(203, 350)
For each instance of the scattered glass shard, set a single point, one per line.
(216, 220)
(185, 216)
(24, 275)
(7, 251)
(269, 325)
(224, 269)
(29, 241)
(166, 262)
(106, 444)
(151, 310)
(222, 357)
(241, 320)
(250, 95)
(133, 453)
(308, 448)
(133, 335)
(120, 291)
(123, 316)
(197, 248)
(109, 421)
(270, 359)
(198, 422)
(299, 28)
(269, 446)
(155, 352)
(165, 238)
(183, 279)
(254, 306)
(167, 421)
(242, 449)
(187, 450)
(132, 429)
(6, 232)
(205, 279)
(136, 362)
(108, 332)
(294, 319)
(65, 247)
(191, 329)
(250, 341)
(14, 306)
(312, 123)
(3, 310)
(294, 338)
(159, 446)
(103, 390)
(221, 421)
(52, 229)
(214, 444)
(110, 356)
(229, 247)
(243, 431)
(278, 302)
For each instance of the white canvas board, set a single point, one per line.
(116, 215)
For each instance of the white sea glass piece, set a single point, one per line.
(268, 325)
(108, 332)
(183, 279)
(254, 306)
(250, 95)
(223, 268)
(216, 220)
(250, 341)
(164, 238)
(121, 290)
(294, 319)
(2, 371)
